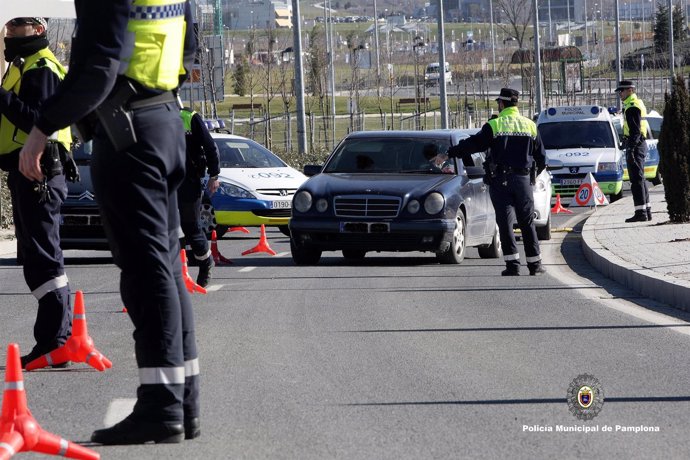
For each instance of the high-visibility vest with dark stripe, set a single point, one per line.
(634, 101)
(156, 30)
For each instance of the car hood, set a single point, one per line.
(262, 178)
(581, 157)
(388, 184)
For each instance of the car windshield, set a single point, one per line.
(576, 134)
(384, 155)
(243, 153)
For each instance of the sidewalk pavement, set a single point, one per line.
(8, 245)
(651, 258)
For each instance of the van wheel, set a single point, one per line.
(657, 180)
(207, 221)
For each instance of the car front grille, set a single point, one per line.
(284, 192)
(367, 206)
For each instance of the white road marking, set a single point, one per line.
(557, 268)
(214, 287)
(282, 254)
(118, 409)
(246, 269)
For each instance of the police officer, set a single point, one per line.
(202, 155)
(635, 129)
(515, 146)
(32, 76)
(129, 107)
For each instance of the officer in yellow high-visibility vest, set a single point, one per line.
(635, 131)
(515, 149)
(128, 58)
(31, 78)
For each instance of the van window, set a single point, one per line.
(576, 134)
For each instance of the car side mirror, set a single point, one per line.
(475, 172)
(312, 170)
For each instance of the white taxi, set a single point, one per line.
(256, 187)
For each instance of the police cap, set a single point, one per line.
(508, 94)
(624, 84)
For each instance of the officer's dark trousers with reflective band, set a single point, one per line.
(137, 194)
(37, 226)
(638, 185)
(189, 200)
(515, 200)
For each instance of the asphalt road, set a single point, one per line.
(392, 357)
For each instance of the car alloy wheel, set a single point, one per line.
(456, 252)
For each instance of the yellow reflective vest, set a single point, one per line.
(157, 30)
(11, 137)
(634, 101)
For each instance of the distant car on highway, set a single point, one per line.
(378, 191)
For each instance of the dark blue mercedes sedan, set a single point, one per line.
(394, 191)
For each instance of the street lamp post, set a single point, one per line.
(418, 43)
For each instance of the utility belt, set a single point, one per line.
(115, 114)
(507, 170)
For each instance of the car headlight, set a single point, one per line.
(234, 191)
(413, 207)
(434, 203)
(321, 205)
(603, 167)
(302, 201)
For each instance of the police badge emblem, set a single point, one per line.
(585, 397)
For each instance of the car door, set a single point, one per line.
(475, 194)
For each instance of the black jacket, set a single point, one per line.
(199, 141)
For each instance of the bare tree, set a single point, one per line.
(518, 15)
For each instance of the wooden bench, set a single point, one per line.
(423, 102)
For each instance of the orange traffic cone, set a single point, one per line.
(19, 431)
(218, 258)
(191, 285)
(558, 207)
(262, 246)
(79, 348)
(124, 309)
(238, 229)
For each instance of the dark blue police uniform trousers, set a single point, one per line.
(515, 199)
(37, 226)
(137, 195)
(638, 185)
(189, 201)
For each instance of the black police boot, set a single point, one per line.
(132, 431)
(640, 216)
(37, 353)
(192, 428)
(649, 214)
(511, 270)
(205, 269)
(536, 269)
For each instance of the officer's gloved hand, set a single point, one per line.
(454, 151)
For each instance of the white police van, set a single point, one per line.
(579, 140)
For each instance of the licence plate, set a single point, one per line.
(281, 205)
(571, 181)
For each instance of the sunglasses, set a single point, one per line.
(18, 22)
